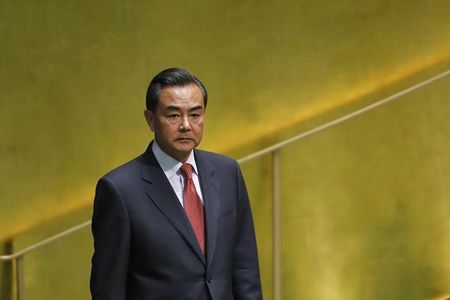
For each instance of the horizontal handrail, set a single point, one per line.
(257, 154)
(46, 241)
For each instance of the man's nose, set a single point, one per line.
(185, 125)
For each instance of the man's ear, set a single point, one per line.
(149, 118)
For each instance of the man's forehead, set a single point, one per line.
(181, 97)
(182, 90)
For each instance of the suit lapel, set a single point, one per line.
(210, 190)
(159, 190)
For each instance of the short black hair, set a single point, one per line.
(171, 77)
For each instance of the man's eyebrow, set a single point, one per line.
(196, 108)
(177, 108)
(172, 107)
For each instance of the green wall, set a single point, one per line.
(363, 204)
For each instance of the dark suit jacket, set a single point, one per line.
(145, 247)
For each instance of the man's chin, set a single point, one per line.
(185, 145)
(182, 153)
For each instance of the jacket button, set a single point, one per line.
(208, 279)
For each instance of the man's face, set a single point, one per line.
(177, 121)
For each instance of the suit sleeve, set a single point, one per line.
(110, 229)
(246, 281)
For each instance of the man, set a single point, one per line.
(174, 223)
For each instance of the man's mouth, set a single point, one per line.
(184, 139)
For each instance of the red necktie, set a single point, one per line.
(193, 206)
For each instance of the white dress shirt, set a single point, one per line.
(171, 168)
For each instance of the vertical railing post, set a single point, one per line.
(20, 278)
(276, 196)
(7, 272)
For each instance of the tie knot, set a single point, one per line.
(186, 169)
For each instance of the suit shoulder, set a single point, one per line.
(215, 157)
(129, 169)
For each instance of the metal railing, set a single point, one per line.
(275, 151)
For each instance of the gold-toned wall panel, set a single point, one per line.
(73, 79)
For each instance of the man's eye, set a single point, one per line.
(173, 116)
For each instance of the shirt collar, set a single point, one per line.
(170, 165)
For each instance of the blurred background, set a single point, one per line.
(364, 205)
